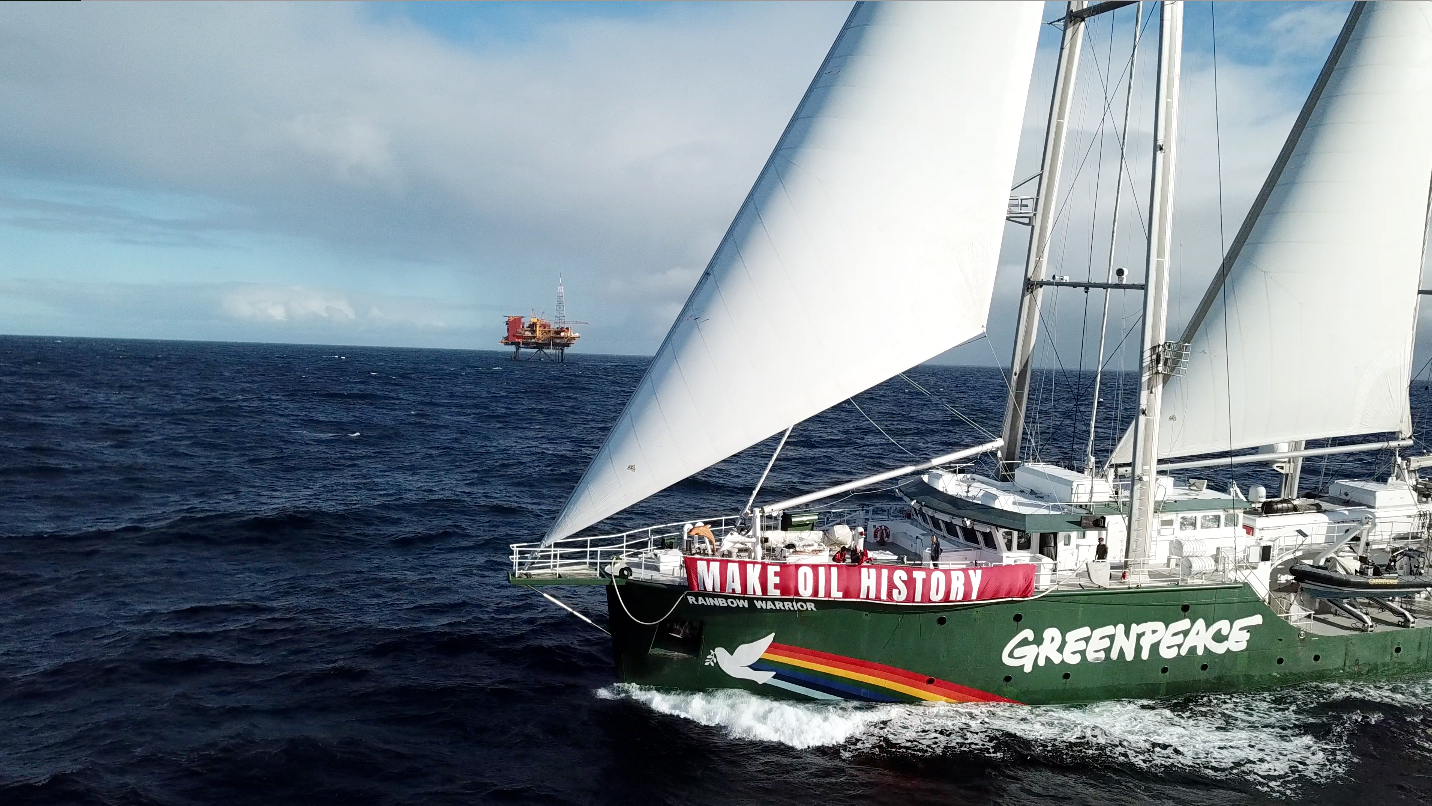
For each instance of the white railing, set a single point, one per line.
(587, 556)
(590, 556)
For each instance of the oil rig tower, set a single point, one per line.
(541, 336)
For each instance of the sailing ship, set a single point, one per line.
(885, 200)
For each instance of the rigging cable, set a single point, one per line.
(1059, 216)
(1089, 259)
(1113, 242)
(1081, 386)
(1107, 112)
(1222, 246)
(950, 408)
(1045, 432)
(998, 365)
(877, 427)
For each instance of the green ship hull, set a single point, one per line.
(1062, 647)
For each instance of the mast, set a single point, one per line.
(1041, 227)
(1159, 359)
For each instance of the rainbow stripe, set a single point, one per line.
(823, 676)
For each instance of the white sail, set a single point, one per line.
(867, 245)
(1307, 331)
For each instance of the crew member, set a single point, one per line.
(935, 550)
(701, 530)
(1101, 551)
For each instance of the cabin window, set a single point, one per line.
(1210, 521)
(1006, 539)
(1230, 519)
(1166, 522)
(989, 541)
(1023, 541)
(1187, 523)
(967, 534)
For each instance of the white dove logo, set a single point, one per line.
(738, 663)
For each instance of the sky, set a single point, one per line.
(406, 174)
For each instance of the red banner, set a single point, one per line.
(898, 584)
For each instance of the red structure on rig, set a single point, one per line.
(539, 335)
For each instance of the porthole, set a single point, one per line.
(1317, 658)
(929, 681)
(940, 621)
(1184, 608)
(1203, 667)
(1007, 678)
(1066, 675)
(1164, 670)
(1397, 650)
(1018, 617)
(1280, 661)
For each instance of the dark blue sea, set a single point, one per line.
(274, 574)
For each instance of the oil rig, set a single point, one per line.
(541, 336)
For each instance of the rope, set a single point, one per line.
(1108, 112)
(617, 589)
(950, 408)
(1222, 246)
(878, 428)
(997, 363)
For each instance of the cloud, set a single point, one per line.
(604, 147)
(474, 161)
(243, 312)
(109, 221)
(269, 303)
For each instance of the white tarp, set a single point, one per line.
(1310, 335)
(868, 245)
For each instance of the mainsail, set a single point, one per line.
(868, 244)
(1307, 329)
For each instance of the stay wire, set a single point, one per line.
(878, 428)
(948, 407)
(1108, 111)
(1104, 120)
(1222, 243)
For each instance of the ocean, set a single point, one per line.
(275, 574)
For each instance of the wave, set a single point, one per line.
(1278, 743)
(742, 715)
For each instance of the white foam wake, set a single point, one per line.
(742, 715)
(1244, 737)
(1279, 742)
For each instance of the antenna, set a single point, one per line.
(561, 304)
